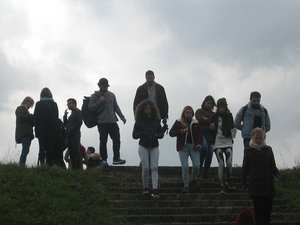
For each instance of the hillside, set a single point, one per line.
(54, 196)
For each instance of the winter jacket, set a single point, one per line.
(204, 124)
(148, 130)
(46, 117)
(244, 120)
(162, 102)
(106, 114)
(259, 168)
(196, 134)
(227, 125)
(24, 124)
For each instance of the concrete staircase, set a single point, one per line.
(203, 205)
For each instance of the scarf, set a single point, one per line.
(256, 146)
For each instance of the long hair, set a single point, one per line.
(182, 118)
(141, 106)
(208, 98)
(46, 93)
(29, 100)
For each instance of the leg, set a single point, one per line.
(75, 156)
(103, 132)
(183, 156)
(154, 157)
(228, 155)
(195, 157)
(144, 156)
(246, 142)
(208, 159)
(114, 133)
(220, 158)
(203, 152)
(258, 203)
(42, 151)
(26, 142)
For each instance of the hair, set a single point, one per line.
(208, 98)
(91, 149)
(255, 131)
(29, 100)
(255, 94)
(72, 100)
(46, 93)
(149, 72)
(183, 112)
(141, 106)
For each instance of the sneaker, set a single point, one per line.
(154, 194)
(119, 161)
(103, 163)
(146, 191)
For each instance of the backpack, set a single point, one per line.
(89, 118)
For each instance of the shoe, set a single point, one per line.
(222, 190)
(154, 194)
(185, 190)
(146, 191)
(104, 164)
(119, 161)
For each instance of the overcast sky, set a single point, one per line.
(195, 48)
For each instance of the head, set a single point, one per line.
(28, 102)
(222, 105)
(90, 150)
(208, 103)
(71, 103)
(46, 93)
(148, 108)
(187, 114)
(258, 136)
(255, 99)
(103, 84)
(150, 77)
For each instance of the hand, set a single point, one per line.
(212, 126)
(198, 147)
(66, 112)
(102, 98)
(124, 120)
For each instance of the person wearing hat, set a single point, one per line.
(222, 142)
(104, 104)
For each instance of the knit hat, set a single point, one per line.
(221, 102)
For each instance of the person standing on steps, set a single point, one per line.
(147, 128)
(189, 143)
(259, 170)
(223, 133)
(104, 103)
(204, 116)
(156, 93)
(251, 116)
(24, 127)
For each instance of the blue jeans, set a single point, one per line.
(184, 154)
(206, 156)
(26, 142)
(152, 155)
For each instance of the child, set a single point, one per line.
(147, 128)
(189, 141)
(222, 142)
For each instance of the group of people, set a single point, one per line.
(198, 135)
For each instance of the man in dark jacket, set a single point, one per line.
(73, 124)
(155, 92)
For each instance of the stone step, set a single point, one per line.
(212, 218)
(224, 223)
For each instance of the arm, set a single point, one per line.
(267, 121)
(96, 103)
(238, 120)
(159, 131)
(137, 132)
(176, 129)
(118, 110)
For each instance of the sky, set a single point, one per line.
(195, 48)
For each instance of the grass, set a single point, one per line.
(53, 196)
(289, 187)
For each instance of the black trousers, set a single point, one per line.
(111, 129)
(74, 150)
(49, 150)
(262, 209)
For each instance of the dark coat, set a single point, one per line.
(196, 133)
(46, 117)
(162, 102)
(148, 130)
(73, 123)
(227, 125)
(259, 168)
(24, 124)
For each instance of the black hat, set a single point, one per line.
(221, 102)
(103, 82)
